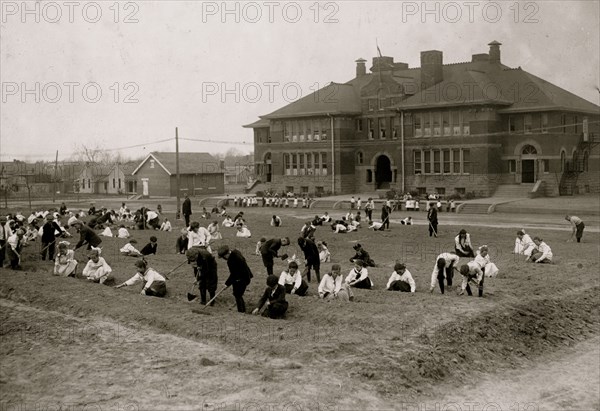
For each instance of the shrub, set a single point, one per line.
(260, 193)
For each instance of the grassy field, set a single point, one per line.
(65, 341)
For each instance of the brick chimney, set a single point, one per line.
(431, 68)
(361, 68)
(494, 51)
(383, 64)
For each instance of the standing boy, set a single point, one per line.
(239, 274)
(578, 227)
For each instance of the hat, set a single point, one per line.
(272, 280)
(464, 269)
(49, 217)
(356, 246)
(223, 250)
(520, 232)
(336, 267)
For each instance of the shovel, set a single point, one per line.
(190, 296)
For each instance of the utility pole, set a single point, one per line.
(177, 214)
(54, 183)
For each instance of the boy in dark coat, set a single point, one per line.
(86, 235)
(274, 297)
(151, 247)
(269, 250)
(311, 255)
(206, 274)
(181, 245)
(239, 274)
(433, 221)
(363, 255)
(49, 237)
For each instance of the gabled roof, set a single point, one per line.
(335, 98)
(516, 89)
(481, 81)
(189, 163)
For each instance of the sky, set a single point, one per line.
(121, 76)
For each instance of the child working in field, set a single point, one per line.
(274, 297)
(129, 249)
(359, 276)
(151, 247)
(65, 263)
(154, 283)
(333, 287)
(96, 269)
(541, 252)
(292, 280)
(401, 280)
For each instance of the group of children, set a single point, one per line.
(195, 242)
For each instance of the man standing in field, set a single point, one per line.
(578, 227)
(186, 210)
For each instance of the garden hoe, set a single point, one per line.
(201, 310)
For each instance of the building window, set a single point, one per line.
(395, 127)
(456, 161)
(119, 184)
(382, 128)
(324, 164)
(371, 104)
(455, 116)
(301, 164)
(428, 167)
(268, 132)
(417, 161)
(511, 125)
(546, 165)
(359, 158)
(369, 176)
(89, 183)
(544, 122)
(287, 164)
(512, 166)
(527, 120)
(563, 123)
(529, 150)
(289, 189)
(427, 124)
(460, 191)
(359, 124)
(294, 164)
(309, 133)
(437, 131)
(370, 126)
(418, 126)
(466, 161)
(446, 160)
(324, 127)
(437, 162)
(309, 164)
(304, 189)
(151, 163)
(576, 124)
(422, 191)
(319, 191)
(446, 123)
(114, 183)
(440, 190)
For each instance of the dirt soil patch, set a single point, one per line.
(385, 350)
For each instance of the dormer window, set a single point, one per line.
(151, 163)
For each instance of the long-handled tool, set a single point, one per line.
(201, 309)
(432, 229)
(167, 274)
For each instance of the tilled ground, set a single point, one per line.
(91, 344)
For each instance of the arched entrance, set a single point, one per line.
(528, 159)
(383, 172)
